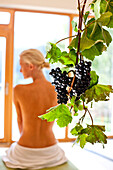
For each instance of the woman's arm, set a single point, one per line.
(18, 110)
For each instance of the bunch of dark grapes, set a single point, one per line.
(82, 79)
(62, 82)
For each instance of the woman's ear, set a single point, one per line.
(31, 66)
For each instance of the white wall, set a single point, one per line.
(69, 6)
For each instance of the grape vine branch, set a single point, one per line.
(75, 91)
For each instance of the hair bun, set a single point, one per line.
(45, 64)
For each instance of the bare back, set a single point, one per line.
(31, 101)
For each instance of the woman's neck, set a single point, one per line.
(37, 76)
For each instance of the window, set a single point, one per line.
(36, 30)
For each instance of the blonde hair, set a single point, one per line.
(34, 56)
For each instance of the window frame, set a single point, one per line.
(7, 31)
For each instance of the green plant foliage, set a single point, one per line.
(61, 113)
(97, 9)
(68, 58)
(95, 50)
(92, 134)
(110, 24)
(103, 6)
(73, 43)
(86, 16)
(87, 43)
(74, 25)
(94, 79)
(104, 19)
(99, 33)
(54, 53)
(98, 92)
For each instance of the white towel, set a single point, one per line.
(33, 158)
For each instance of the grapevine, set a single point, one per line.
(79, 85)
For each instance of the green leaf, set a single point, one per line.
(82, 140)
(75, 114)
(67, 58)
(88, 42)
(110, 24)
(94, 79)
(103, 6)
(98, 92)
(73, 100)
(95, 134)
(104, 19)
(74, 25)
(80, 107)
(86, 16)
(92, 134)
(97, 8)
(110, 6)
(74, 43)
(98, 33)
(75, 109)
(92, 4)
(53, 54)
(107, 37)
(76, 130)
(61, 113)
(95, 50)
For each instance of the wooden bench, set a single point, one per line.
(66, 166)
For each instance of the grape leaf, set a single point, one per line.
(103, 6)
(74, 25)
(82, 140)
(98, 92)
(67, 58)
(95, 50)
(104, 18)
(94, 79)
(53, 54)
(107, 37)
(92, 134)
(92, 4)
(86, 16)
(110, 6)
(110, 24)
(76, 130)
(97, 8)
(74, 43)
(96, 33)
(99, 33)
(76, 105)
(95, 134)
(61, 113)
(88, 42)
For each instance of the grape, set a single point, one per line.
(80, 84)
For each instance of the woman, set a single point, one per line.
(37, 147)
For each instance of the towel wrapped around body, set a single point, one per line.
(18, 156)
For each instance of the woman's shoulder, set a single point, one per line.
(18, 88)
